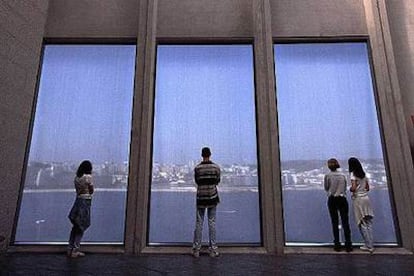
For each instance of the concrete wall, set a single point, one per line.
(401, 21)
(21, 33)
(93, 19)
(204, 19)
(317, 18)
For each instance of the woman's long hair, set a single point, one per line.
(355, 167)
(84, 168)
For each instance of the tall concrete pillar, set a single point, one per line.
(22, 26)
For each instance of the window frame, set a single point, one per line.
(351, 39)
(96, 246)
(150, 247)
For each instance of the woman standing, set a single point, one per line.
(362, 205)
(80, 214)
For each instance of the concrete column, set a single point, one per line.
(141, 140)
(393, 124)
(401, 21)
(268, 147)
(21, 34)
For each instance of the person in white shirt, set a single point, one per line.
(335, 186)
(362, 205)
(80, 214)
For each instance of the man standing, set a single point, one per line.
(207, 177)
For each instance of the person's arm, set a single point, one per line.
(89, 182)
(326, 183)
(195, 176)
(366, 185)
(91, 188)
(354, 185)
(345, 183)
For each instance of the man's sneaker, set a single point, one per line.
(214, 253)
(364, 248)
(196, 253)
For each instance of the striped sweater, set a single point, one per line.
(207, 177)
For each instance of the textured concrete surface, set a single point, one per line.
(227, 264)
(92, 19)
(317, 18)
(401, 20)
(21, 34)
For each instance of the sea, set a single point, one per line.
(43, 217)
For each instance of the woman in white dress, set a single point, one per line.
(361, 203)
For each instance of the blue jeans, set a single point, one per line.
(211, 214)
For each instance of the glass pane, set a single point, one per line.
(204, 97)
(83, 111)
(327, 109)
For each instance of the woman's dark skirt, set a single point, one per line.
(80, 214)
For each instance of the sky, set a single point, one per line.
(326, 105)
(84, 104)
(204, 96)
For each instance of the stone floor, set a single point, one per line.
(226, 264)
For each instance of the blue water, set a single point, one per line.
(173, 217)
(307, 218)
(43, 217)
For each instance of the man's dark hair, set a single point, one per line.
(205, 152)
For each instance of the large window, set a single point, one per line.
(83, 111)
(326, 108)
(204, 97)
